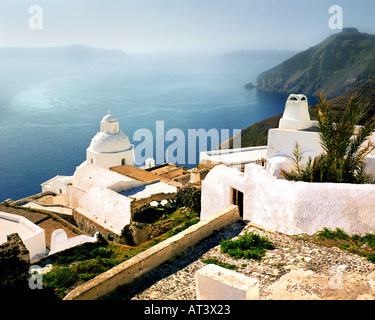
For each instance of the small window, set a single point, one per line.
(92, 161)
(123, 162)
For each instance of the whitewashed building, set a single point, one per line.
(108, 148)
(287, 206)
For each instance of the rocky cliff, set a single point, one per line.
(340, 63)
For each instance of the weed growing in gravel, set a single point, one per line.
(219, 263)
(248, 246)
(361, 245)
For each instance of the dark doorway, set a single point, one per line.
(237, 199)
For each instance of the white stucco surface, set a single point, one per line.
(296, 114)
(217, 283)
(57, 184)
(60, 240)
(106, 207)
(90, 175)
(282, 142)
(232, 156)
(32, 236)
(62, 210)
(291, 207)
(110, 147)
(147, 190)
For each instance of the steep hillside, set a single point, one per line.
(256, 134)
(338, 64)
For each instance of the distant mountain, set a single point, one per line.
(340, 63)
(68, 52)
(256, 134)
(256, 54)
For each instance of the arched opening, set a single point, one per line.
(123, 162)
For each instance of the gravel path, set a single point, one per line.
(295, 269)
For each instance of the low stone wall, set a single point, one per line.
(31, 198)
(136, 204)
(142, 232)
(153, 257)
(90, 227)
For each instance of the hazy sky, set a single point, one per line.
(209, 26)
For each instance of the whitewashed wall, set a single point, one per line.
(34, 239)
(291, 207)
(60, 240)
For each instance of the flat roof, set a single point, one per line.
(244, 155)
(9, 226)
(148, 190)
(137, 173)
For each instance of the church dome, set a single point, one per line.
(109, 118)
(109, 123)
(105, 142)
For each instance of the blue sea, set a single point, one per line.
(50, 109)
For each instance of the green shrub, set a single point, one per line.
(248, 246)
(82, 252)
(344, 147)
(60, 279)
(371, 257)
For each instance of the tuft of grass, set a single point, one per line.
(330, 234)
(351, 243)
(248, 246)
(221, 264)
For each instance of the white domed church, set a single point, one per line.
(101, 198)
(110, 147)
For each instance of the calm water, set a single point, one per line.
(50, 110)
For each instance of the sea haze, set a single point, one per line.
(50, 108)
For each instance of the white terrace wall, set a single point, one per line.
(32, 235)
(291, 207)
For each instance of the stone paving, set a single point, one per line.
(296, 269)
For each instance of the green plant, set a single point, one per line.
(221, 264)
(248, 246)
(60, 279)
(344, 147)
(351, 243)
(330, 234)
